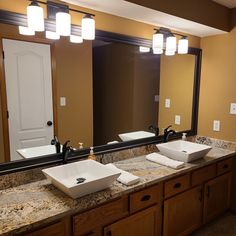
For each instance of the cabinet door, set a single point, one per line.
(217, 196)
(183, 213)
(143, 223)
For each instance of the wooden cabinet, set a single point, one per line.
(91, 222)
(183, 213)
(224, 166)
(61, 228)
(144, 223)
(217, 196)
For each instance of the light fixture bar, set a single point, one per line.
(70, 9)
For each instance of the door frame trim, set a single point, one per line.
(3, 94)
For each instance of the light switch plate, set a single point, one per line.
(233, 108)
(167, 103)
(62, 101)
(216, 125)
(177, 120)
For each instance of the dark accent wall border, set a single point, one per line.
(20, 19)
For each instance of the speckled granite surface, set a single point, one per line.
(25, 206)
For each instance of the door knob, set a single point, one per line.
(49, 123)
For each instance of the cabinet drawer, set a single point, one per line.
(51, 230)
(83, 223)
(224, 166)
(177, 185)
(204, 174)
(145, 198)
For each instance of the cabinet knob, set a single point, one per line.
(177, 185)
(49, 123)
(145, 198)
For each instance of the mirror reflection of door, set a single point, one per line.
(28, 79)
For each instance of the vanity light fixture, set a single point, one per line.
(164, 40)
(35, 16)
(88, 27)
(63, 23)
(35, 20)
(52, 35)
(26, 31)
(76, 39)
(144, 49)
(183, 45)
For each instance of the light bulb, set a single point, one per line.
(183, 46)
(171, 43)
(157, 41)
(52, 35)
(63, 24)
(169, 53)
(157, 51)
(144, 49)
(26, 31)
(35, 17)
(88, 28)
(76, 39)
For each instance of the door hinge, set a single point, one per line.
(7, 114)
(3, 55)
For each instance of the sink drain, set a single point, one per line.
(80, 180)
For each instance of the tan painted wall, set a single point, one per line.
(218, 85)
(176, 83)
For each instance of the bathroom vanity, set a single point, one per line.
(165, 202)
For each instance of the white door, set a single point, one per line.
(29, 94)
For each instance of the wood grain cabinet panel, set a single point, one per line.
(145, 198)
(144, 223)
(204, 174)
(89, 222)
(217, 196)
(57, 229)
(176, 185)
(224, 166)
(183, 213)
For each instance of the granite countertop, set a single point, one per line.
(30, 205)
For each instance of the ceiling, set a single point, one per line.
(146, 15)
(227, 3)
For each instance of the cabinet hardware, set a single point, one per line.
(145, 198)
(225, 166)
(109, 233)
(177, 185)
(88, 234)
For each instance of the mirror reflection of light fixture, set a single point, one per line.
(63, 23)
(59, 12)
(76, 39)
(157, 41)
(88, 28)
(52, 35)
(164, 40)
(183, 45)
(144, 49)
(26, 31)
(35, 16)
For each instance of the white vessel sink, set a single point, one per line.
(96, 175)
(183, 150)
(37, 151)
(135, 135)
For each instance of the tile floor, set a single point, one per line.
(222, 226)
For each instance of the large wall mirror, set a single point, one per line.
(104, 93)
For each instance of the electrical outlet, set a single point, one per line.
(167, 103)
(216, 125)
(233, 108)
(156, 98)
(177, 120)
(62, 101)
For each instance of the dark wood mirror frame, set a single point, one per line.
(10, 167)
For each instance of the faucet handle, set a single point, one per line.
(166, 129)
